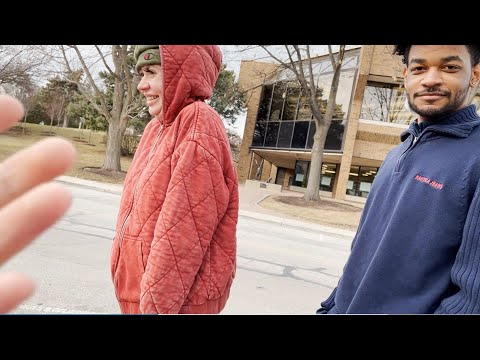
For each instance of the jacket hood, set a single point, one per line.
(189, 74)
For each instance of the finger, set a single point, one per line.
(11, 110)
(24, 219)
(14, 289)
(36, 164)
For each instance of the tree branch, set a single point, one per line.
(104, 61)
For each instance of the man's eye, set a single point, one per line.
(451, 67)
(417, 68)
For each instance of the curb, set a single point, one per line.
(297, 223)
(117, 189)
(111, 188)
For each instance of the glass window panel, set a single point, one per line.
(277, 101)
(375, 103)
(328, 176)
(259, 133)
(311, 133)
(265, 103)
(350, 62)
(272, 133)
(365, 179)
(291, 102)
(344, 92)
(352, 183)
(300, 134)
(398, 111)
(285, 134)
(304, 110)
(386, 102)
(334, 136)
(300, 177)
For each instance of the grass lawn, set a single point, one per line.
(90, 149)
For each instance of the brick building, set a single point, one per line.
(369, 118)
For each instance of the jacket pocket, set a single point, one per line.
(129, 269)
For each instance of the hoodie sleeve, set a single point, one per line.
(328, 304)
(193, 206)
(466, 269)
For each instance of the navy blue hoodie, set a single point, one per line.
(417, 248)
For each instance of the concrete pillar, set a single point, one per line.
(366, 56)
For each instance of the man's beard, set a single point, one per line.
(447, 109)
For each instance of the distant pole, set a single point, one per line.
(81, 127)
(24, 122)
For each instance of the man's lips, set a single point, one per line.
(423, 94)
(432, 97)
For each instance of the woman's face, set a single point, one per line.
(151, 86)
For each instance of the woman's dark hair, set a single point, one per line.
(404, 50)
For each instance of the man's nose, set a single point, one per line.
(432, 78)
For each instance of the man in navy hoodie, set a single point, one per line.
(417, 248)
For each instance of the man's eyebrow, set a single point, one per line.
(452, 58)
(444, 59)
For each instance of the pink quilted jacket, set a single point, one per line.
(175, 244)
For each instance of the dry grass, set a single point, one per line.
(327, 212)
(89, 146)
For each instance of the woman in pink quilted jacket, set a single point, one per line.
(174, 249)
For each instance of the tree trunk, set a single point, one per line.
(114, 144)
(24, 122)
(65, 121)
(313, 186)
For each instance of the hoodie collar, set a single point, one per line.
(459, 124)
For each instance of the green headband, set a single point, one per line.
(146, 55)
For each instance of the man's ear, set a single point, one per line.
(475, 75)
(405, 70)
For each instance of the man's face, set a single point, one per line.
(437, 79)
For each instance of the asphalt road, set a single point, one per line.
(281, 269)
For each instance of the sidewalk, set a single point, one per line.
(248, 205)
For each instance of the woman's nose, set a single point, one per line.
(142, 85)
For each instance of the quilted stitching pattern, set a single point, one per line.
(182, 205)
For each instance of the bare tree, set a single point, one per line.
(22, 65)
(117, 109)
(300, 64)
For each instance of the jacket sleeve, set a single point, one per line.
(328, 304)
(191, 211)
(466, 269)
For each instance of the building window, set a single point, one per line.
(302, 170)
(259, 133)
(386, 102)
(300, 133)
(264, 107)
(360, 180)
(285, 134)
(301, 173)
(277, 102)
(328, 176)
(272, 134)
(284, 117)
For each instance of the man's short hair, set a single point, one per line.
(404, 51)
